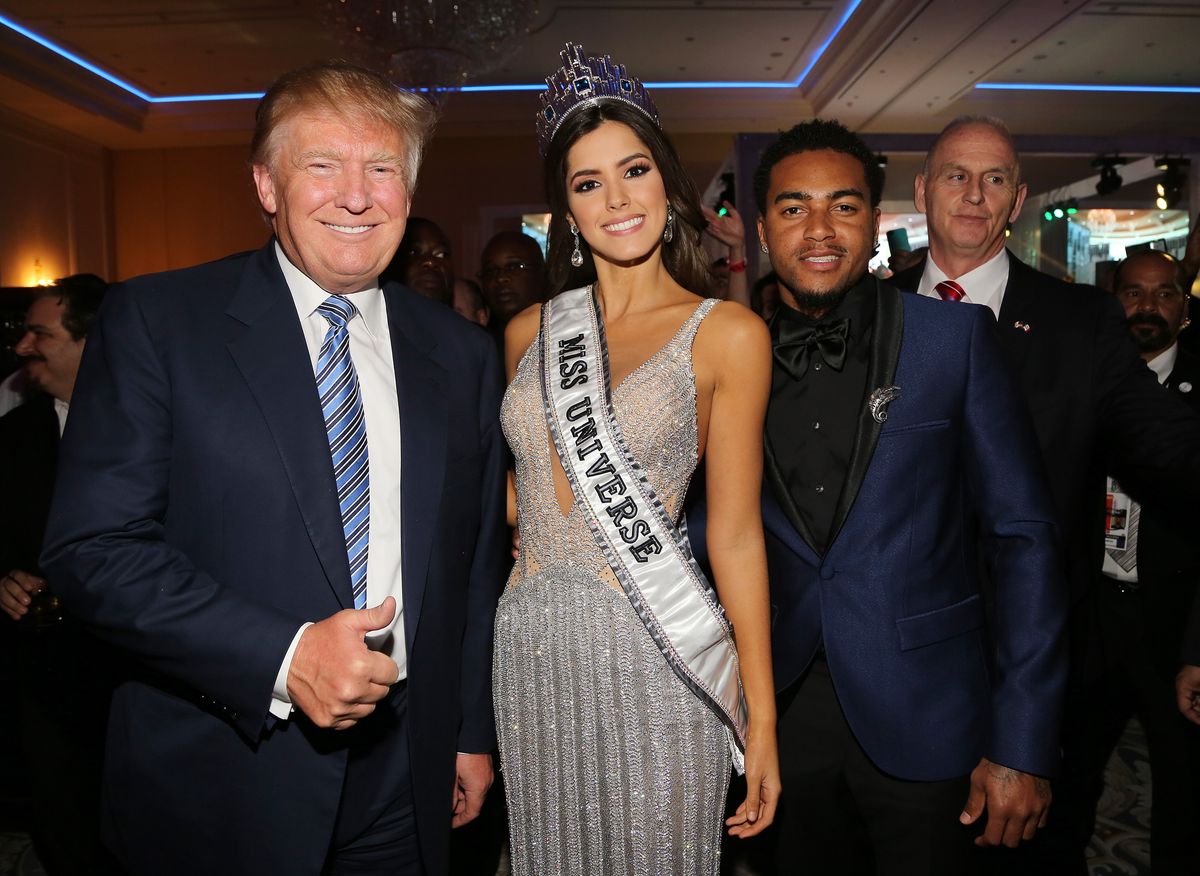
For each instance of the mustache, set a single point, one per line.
(830, 247)
(1151, 319)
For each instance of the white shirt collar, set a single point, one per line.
(308, 296)
(1164, 363)
(60, 410)
(983, 285)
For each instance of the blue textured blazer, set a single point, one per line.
(929, 680)
(196, 526)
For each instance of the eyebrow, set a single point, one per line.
(950, 165)
(377, 158)
(808, 196)
(624, 161)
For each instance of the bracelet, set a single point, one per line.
(737, 267)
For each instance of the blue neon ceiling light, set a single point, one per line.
(1054, 86)
(476, 89)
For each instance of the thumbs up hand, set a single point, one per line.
(334, 678)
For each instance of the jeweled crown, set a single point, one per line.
(582, 81)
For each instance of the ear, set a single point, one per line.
(264, 184)
(919, 192)
(1022, 191)
(762, 234)
(878, 214)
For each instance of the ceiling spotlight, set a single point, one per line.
(1169, 187)
(1110, 180)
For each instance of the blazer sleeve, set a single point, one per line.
(488, 567)
(1020, 545)
(106, 548)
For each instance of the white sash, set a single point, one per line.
(650, 556)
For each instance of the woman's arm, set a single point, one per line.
(733, 363)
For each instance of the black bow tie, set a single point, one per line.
(796, 342)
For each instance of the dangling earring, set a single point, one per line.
(669, 231)
(576, 255)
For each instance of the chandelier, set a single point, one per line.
(432, 45)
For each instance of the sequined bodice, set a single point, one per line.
(655, 406)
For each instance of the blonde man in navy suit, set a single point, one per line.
(312, 692)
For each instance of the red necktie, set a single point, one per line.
(949, 290)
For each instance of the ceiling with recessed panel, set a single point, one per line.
(890, 66)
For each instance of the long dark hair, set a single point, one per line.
(683, 257)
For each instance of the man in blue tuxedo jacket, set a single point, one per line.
(312, 640)
(899, 456)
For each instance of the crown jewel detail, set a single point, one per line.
(582, 81)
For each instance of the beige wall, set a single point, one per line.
(54, 218)
(178, 207)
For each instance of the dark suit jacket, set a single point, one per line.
(1190, 653)
(896, 598)
(196, 525)
(1089, 394)
(1168, 553)
(29, 455)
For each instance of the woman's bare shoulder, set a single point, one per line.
(519, 334)
(731, 327)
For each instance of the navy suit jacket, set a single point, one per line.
(896, 598)
(196, 526)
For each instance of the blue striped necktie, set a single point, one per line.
(341, 403)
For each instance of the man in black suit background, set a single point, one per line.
(1145, 592)
(1087, 389)
(1146, 588)
(62, 737)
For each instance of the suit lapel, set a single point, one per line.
(885, 354)
(783, 525)
(1017, 309)
(782, 496)
(421, 390)
(274, 361)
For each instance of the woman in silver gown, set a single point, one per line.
(611, 763)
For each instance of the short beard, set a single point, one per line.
(1159, 336)
(817, 304)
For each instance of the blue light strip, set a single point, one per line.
(795, 83)
(466, 89)
(1051, 86)
(74, 59)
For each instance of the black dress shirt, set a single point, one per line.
(811, 422)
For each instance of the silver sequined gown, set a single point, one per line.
(611, 765)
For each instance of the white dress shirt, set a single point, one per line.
(983, 285)
(60, 411)
(371, 351)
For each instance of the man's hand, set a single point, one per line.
(1017, 804)
(1187, 692)
(334, 678)
(17, 590)
(473, 777)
